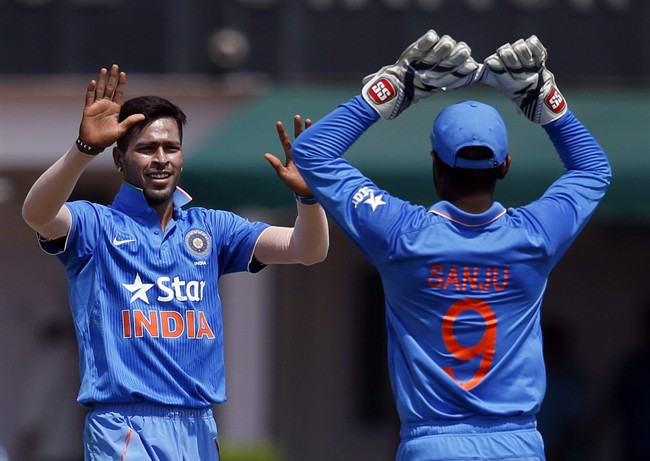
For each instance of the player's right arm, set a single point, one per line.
(44, 207)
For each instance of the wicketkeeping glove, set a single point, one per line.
(519, 71)
(430, 64)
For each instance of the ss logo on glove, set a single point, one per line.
(381, 91)
(555, 101)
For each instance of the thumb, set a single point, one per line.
(130, 121)
(275, 162)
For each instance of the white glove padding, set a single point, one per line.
(519, 71)
(429, 64)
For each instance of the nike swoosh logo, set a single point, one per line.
(117, 242)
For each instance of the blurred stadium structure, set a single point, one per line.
(314, 40)
(306, 366)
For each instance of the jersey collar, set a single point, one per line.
(131, 197)
(453, 213)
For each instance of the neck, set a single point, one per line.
(472, 204)
(474, 199)
(470, 201)
(165, 212)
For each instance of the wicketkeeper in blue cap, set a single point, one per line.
(463, 279)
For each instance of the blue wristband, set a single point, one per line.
(306, 200)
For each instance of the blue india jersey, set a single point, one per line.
(145, 301)
(463, 291)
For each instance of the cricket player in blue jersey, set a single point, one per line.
(143, 275)
(464, 279)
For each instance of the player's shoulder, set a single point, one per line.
(86, 204)
(87, 210)
(525, 220)
(212, 217)
(199, 211)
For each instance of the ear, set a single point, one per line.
(436, 173)
(437, 163)
(118, 158)
(505, 167)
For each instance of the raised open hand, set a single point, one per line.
(518, 70)
(287, 171)
(99, 125)
(430, 64)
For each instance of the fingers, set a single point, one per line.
(513, 59)
(420, 47)
(494, 64)
(524, 54)
(517, 69)
(468, 67)
(449, 64)
(432, 49)
(286, 141)
(459, 55)
(447, 67)
(298, 125)
(109, 85)
(519, 57)
(509, 58)
(90, 93)
(275, 162)
(119, 90)
(424, 43)
(537, 49)
(283, 136)
(101, 83)
(440, 50)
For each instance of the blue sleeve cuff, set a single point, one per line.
(306, 200)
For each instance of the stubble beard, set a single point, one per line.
(160, 196)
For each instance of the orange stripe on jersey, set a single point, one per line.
(127, 442)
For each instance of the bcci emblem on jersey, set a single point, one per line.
(198, 242)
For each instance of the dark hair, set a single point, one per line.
(153, 108)
(474, 179)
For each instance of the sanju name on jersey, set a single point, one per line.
(468, 278)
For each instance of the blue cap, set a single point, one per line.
(469, 123)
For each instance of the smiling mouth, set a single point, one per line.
(159, 175)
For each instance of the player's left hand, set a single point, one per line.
(287, 171)
(518, 70)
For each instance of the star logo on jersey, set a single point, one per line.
(138, 289)
(375, 200)
(367, 195)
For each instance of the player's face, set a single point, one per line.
(154, 160)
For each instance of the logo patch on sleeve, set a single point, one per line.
(367, 195)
